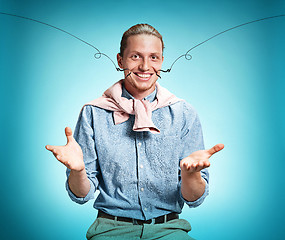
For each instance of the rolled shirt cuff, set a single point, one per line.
(200, 200)
(81, 200)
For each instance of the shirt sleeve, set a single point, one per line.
(84, 135)
(192, 140)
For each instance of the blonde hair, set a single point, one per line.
(137, 29)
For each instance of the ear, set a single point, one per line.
(120, 60)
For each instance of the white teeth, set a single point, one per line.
(143, 75)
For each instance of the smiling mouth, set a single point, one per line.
(144, 76)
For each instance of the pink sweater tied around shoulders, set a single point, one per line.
(142, 109)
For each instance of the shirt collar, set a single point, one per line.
(151, 97)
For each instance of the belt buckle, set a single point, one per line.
(135, 221)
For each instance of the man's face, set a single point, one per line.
(143, 58)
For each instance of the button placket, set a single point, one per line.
(141, 168)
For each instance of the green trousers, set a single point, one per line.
(107, 229)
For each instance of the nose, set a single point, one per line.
(144, 65)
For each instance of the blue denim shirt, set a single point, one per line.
(137, 173)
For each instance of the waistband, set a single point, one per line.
(158, 220)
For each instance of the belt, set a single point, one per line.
(161, 219)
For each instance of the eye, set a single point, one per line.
(154, 57)
(135, 56)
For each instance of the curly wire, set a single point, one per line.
(189, 57)
(96, 55)
(99, 54)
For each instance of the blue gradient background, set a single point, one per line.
(235, 81)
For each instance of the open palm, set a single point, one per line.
(70, 154)
(199, 160)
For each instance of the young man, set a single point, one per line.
(141, 147)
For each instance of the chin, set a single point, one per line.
(145, 86)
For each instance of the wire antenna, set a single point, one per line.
(96, 55)
(189, 57)
(99, 53)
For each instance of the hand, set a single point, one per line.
(199, 160)
(71, 154)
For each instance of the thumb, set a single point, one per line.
(215, 149)
(68, 133)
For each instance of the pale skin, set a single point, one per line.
(72, 157)
(143, 58)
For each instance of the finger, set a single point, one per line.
(195, 165)
(61, 159)
(185, 166)
(192, 167)
(58, 155)
(54, 149)
(203, 165)
(49, 147)
(68, 133)
(216, 149)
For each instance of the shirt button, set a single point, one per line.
(142, 189)
(145, 209)
(139, 144)
(141, 166)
